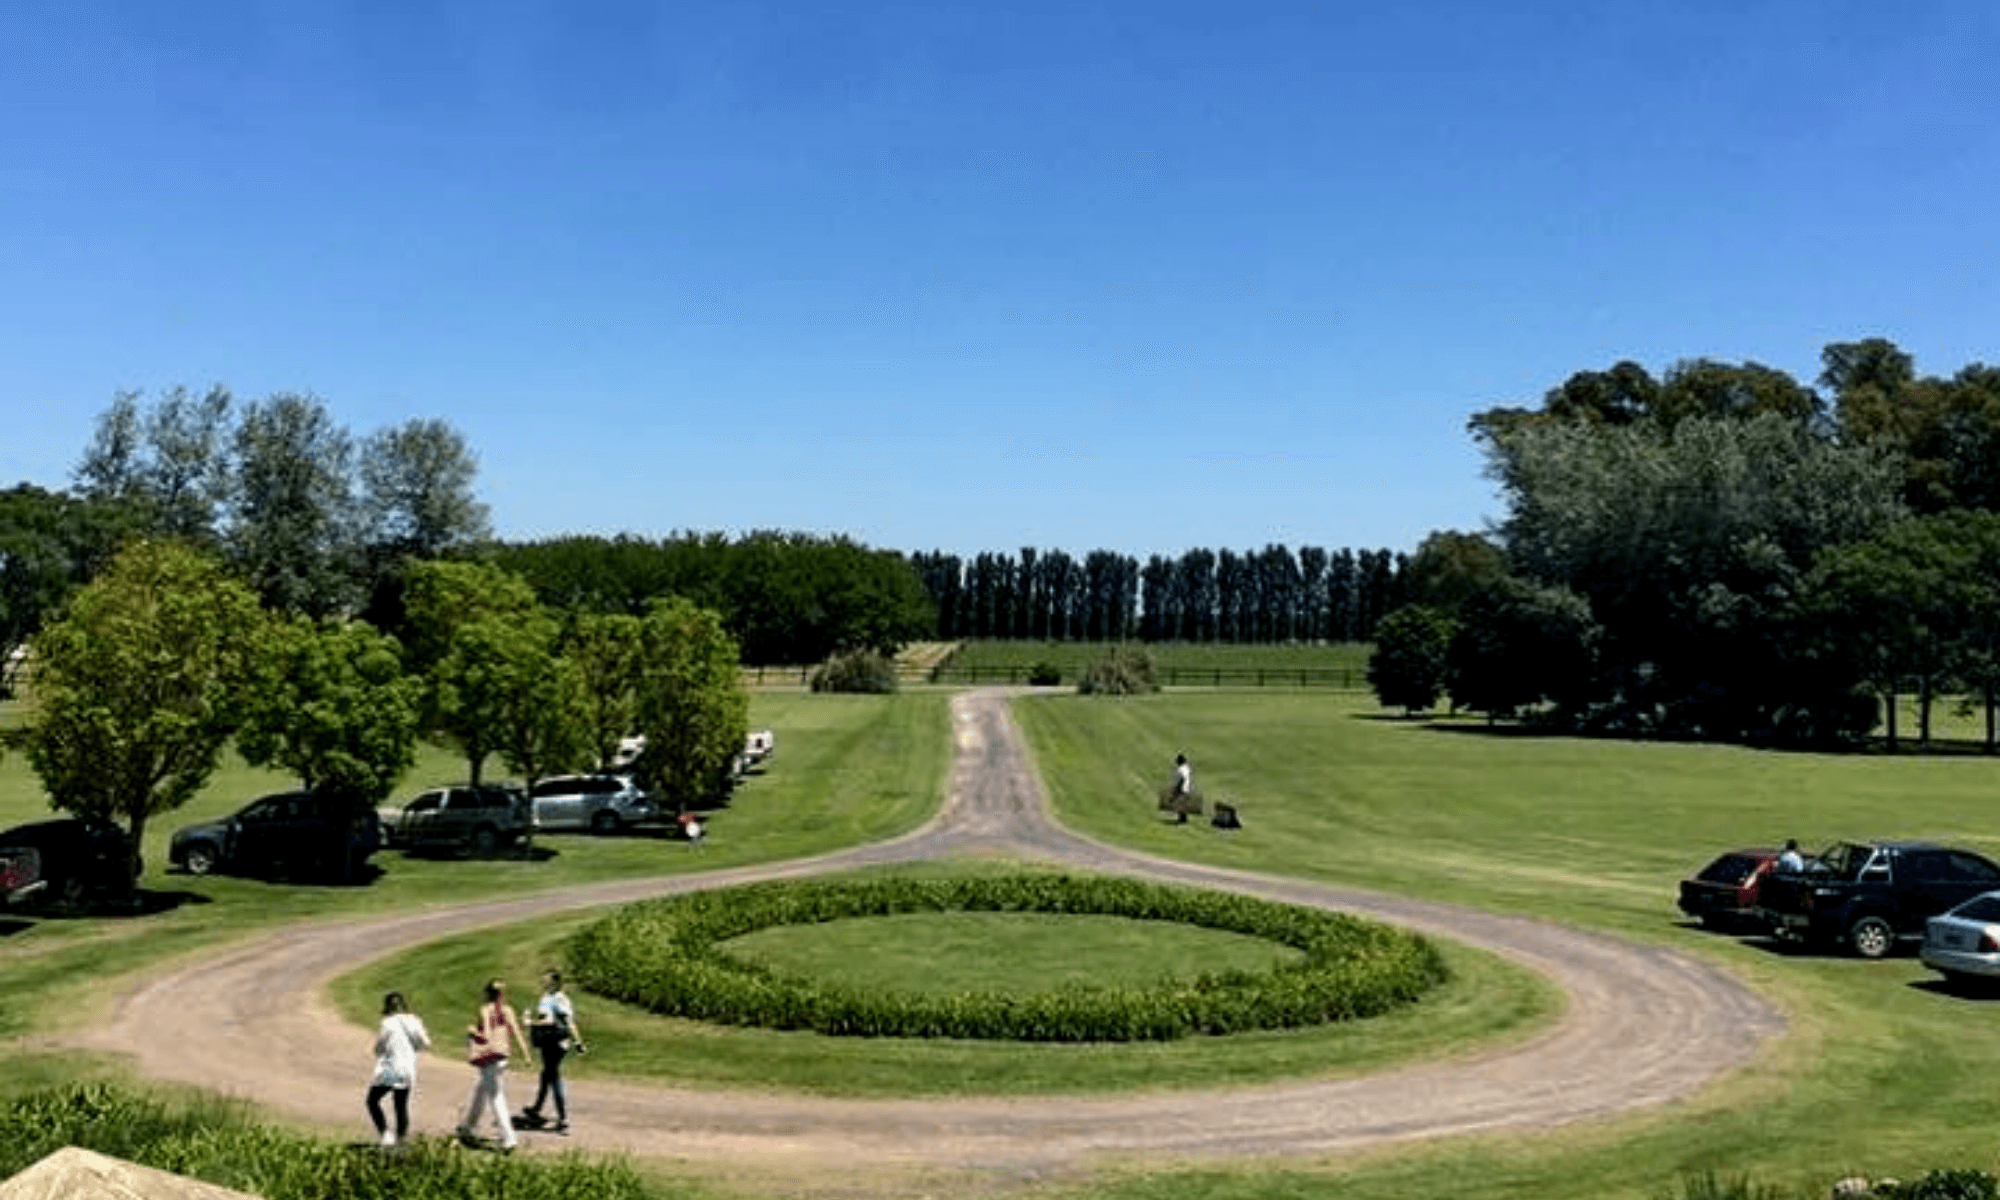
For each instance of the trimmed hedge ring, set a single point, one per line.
(665, 955)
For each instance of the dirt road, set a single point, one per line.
(1643, 1027)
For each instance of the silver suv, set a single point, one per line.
(599, 803)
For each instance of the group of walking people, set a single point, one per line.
(550, 1035)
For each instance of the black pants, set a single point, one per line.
(551, 1053)
(401, 1097)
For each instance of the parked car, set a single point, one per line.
(1870, 894)
(602, 804)
(302, 832)
(1728, 891)
(67, 861)
(1964, 944)
(474, 820)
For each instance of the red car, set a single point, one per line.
(1724, 892)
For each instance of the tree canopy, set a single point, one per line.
(139, 684)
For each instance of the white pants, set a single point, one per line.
(490, 1092)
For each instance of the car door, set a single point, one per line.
(557, 805)
(418, 824)
(259, 833)
(1929, 885)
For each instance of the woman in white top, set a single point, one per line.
(397, 1042)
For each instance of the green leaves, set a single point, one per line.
(140, 683)
(332, 705)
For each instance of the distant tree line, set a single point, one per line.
(786, 597)
(1262, 596)
(1721, 552)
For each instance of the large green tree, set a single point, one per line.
(138, 684)
(333, 706)
(479, 638)
(167, 459)
(1690, 544)
(292, 529)
(50, 544)
(1408, 667)
(1517, 644)
(608, 649)
(692, 708)
(417, 492)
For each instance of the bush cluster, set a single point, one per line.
(856, 671)
(665, 956)
(1123, 672)
(218, 1143)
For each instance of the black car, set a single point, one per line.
(287, 833)
(1870, 895)
(64, 862)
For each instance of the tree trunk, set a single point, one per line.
(1924, 712)
(1890, 710)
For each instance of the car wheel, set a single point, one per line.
(485, 841)
(1870, 937)
(72, 892)
(604, 823)
(199, 859)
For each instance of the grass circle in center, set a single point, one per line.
(667, 956)
(944, 952)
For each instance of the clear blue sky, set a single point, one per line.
(1140, 276)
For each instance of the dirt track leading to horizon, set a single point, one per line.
(1643, 1027)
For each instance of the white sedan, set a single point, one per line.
(1965, 942)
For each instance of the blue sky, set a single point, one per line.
(1136, 276)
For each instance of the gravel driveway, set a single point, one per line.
(1643, 1027)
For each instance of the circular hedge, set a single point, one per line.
(665, 955)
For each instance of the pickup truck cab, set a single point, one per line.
(1869, 895)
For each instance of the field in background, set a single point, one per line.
(1340, 665)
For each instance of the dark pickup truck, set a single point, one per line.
(1869, 894)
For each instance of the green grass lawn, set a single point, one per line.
(1884, 1073)
(1018, 953)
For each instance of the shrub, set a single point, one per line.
(1045, 674)
(217, 1142)
(856, 671)
(664, 955)
(1123, 672)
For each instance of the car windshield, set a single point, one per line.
(1844, 860)
(1980, 908)
(1731, 869)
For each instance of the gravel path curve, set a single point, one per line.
(1643, 1026)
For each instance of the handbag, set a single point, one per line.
(481, 1050)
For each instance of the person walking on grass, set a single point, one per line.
(397, 1042)
(489, 1039)
(552, 1026)
(1183, 787)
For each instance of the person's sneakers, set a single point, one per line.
(562, 1127)
(388, 1139)
(467, 1138)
